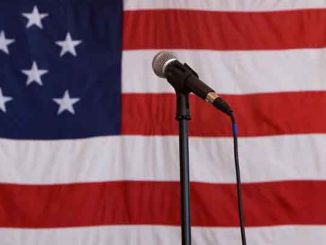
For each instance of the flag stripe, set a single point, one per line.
(237, 72)
(257, 114)
(121, 158)
(225, 5)
(157, 203)
(157, 29)
(149, 235)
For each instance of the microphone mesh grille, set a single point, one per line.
(159, 62)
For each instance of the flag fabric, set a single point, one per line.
(89, 143)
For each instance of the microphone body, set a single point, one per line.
(185, 80)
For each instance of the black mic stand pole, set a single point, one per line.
(177, 77)
(183, 116)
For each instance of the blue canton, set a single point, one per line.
(60, 68)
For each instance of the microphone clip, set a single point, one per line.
(177, 76)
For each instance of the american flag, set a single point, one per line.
(89, 146)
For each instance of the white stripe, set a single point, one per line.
(156, 158)
(233, 72)
(225, 5)
(163, 235)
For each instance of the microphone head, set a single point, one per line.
(160, 62)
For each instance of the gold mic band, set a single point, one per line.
(211, 97)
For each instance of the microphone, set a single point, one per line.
(184, 79)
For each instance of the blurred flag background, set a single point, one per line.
(89, 145)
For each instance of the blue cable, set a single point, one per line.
(237, 171)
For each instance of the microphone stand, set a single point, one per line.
(184, 80)
(182, 73)
(183, 116)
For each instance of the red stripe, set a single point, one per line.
(158, 203)
(184, 29)
(257, 115)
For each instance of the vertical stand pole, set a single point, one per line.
(183, 116)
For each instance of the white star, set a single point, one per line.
(3, 101)
(34, 74)
(68, 45)
(66, 103)
(35, 18)
(5, 42)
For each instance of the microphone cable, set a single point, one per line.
(238, 185)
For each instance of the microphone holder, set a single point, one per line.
(183, 116)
